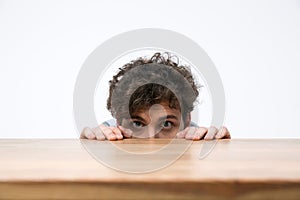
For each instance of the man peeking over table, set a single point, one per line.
(153, 98)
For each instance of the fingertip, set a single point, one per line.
(119, 136)
(101, 138)
(218, 136)
(208, 138)
(196, 138)
(180, 135)
(112, 138)
(211, 133)
(222, 133)
(118, 133)
(126, 132)
(88, 133)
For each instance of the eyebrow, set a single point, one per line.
(160, 119)
(168, 117)
(136, 117)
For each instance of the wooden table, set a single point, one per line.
(235, 169)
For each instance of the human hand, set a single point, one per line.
(103, 132)
(198, 133)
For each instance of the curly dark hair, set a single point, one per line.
(144, 82)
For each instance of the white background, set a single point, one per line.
(255, 46)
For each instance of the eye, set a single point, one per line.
(137, 124)
(167, 124)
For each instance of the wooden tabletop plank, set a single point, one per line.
(62, 168)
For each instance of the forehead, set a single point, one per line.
(158, 110)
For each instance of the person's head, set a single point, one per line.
(153, 97)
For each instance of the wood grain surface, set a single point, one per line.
(234, 169)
